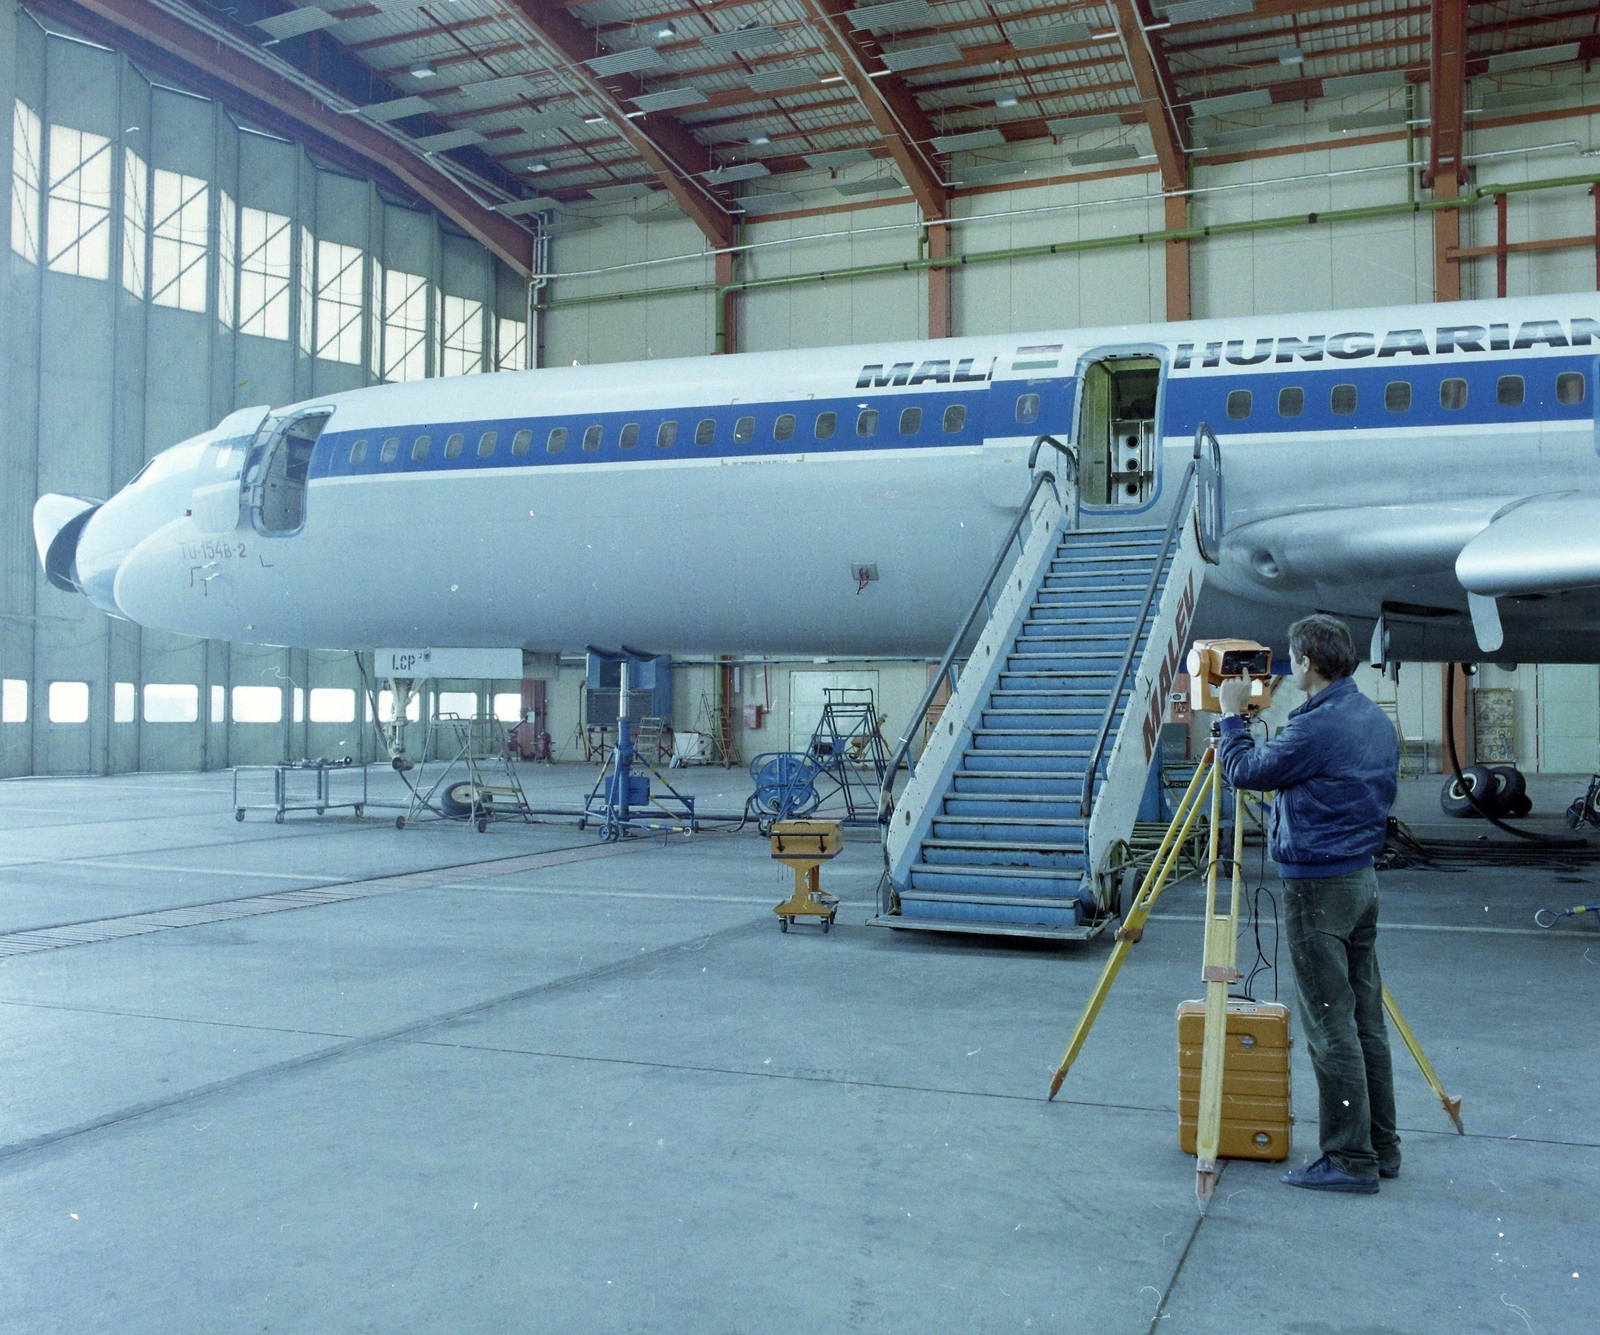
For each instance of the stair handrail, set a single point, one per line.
(1204, 472)
(902, 752)
(1069, 466)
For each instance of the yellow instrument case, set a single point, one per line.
(1255, 1079)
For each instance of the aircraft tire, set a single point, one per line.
(1509, 786)
(1454, 799)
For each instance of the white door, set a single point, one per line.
(806, 699)
(1569, 718)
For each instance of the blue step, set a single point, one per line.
(998, 783)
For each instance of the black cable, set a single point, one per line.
(1468, 793)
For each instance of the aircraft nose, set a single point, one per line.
(57, 524)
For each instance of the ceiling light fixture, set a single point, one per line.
(1109, 35)
(761, 137)
(1006, 100)
(594, 120)
(538, 165)
(665, 33)
(831, 78)
(423, 69)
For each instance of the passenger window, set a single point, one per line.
(389, 450)
(1569, 387)
(783, 428)
(358, 452)
(1027, 408)
(955, 417)
(744, 431)
(1238, 404)
(1343, 399)
(452, 446)
(867, 422)
(910, 421)
(1509, 391)
(486, 443)
(1291, 401)
(629, 437)
(420, 448)
(522, 442)
(827, 424)
(591, 437)
(1452, 394)
(557, 440)
(705, 431)
(666, 434)
(1397, 396)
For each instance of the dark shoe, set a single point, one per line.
(1324, 1175)
(1389, 1170)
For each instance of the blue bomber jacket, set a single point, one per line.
(1333, 767)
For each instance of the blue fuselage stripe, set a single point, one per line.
(1188, 400)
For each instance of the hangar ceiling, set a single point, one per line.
(717, 109)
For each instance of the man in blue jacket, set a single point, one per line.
(1333, 767)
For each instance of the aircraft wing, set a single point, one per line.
(1541, 544)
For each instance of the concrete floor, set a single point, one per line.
(599, 1091)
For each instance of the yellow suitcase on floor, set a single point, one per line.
(1255, 1079)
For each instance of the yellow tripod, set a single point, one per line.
(1219, 969)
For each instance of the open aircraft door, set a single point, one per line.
(1117, 426)
(218, 490)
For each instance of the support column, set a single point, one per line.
(727, 339)
(938, 284)
(1501, 238)
(1177, 254)
(1446, 240)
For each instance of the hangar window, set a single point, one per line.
(629, 437)
(1509, 391)
(705, 431)
(1291, 401)
(14, 700)
(122, 702)
(783, 428)
(452, 446)
(136, 232)
(332, 704)
(1342, 399)
(265, 246)
(910, 421)
(486, 443)
(666, 435)
(591, 437)
(557, 440)
(171, 702)
(390, 448)
(420, 447)
(257, 704)
(461, 342)
(78, 221)
(1452, 394)
(867, 422)
(955, 417)
(69, 702)
(744, 431)
(340, 301)
(827, 424)
(1238, 404)
(358, 453)
(179, 231)
(1569, 387)
(1027, 408)
(27, 152)
(1397, 396)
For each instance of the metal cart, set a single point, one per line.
(310, 785)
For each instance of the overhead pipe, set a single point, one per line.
(1090, 244)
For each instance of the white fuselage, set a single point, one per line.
(752, 541)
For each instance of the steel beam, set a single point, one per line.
(668, 149)
(898, 119)
(1154, 82)
(215, 67)
(1447, 98)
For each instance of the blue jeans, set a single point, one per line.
(1333, 929)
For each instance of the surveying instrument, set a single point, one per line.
(1210, 663)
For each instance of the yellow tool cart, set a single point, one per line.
(805, 845)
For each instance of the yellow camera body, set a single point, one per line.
(1212, 662)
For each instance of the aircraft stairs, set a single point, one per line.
(1034, 772)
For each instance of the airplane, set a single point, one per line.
(1429, 471)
